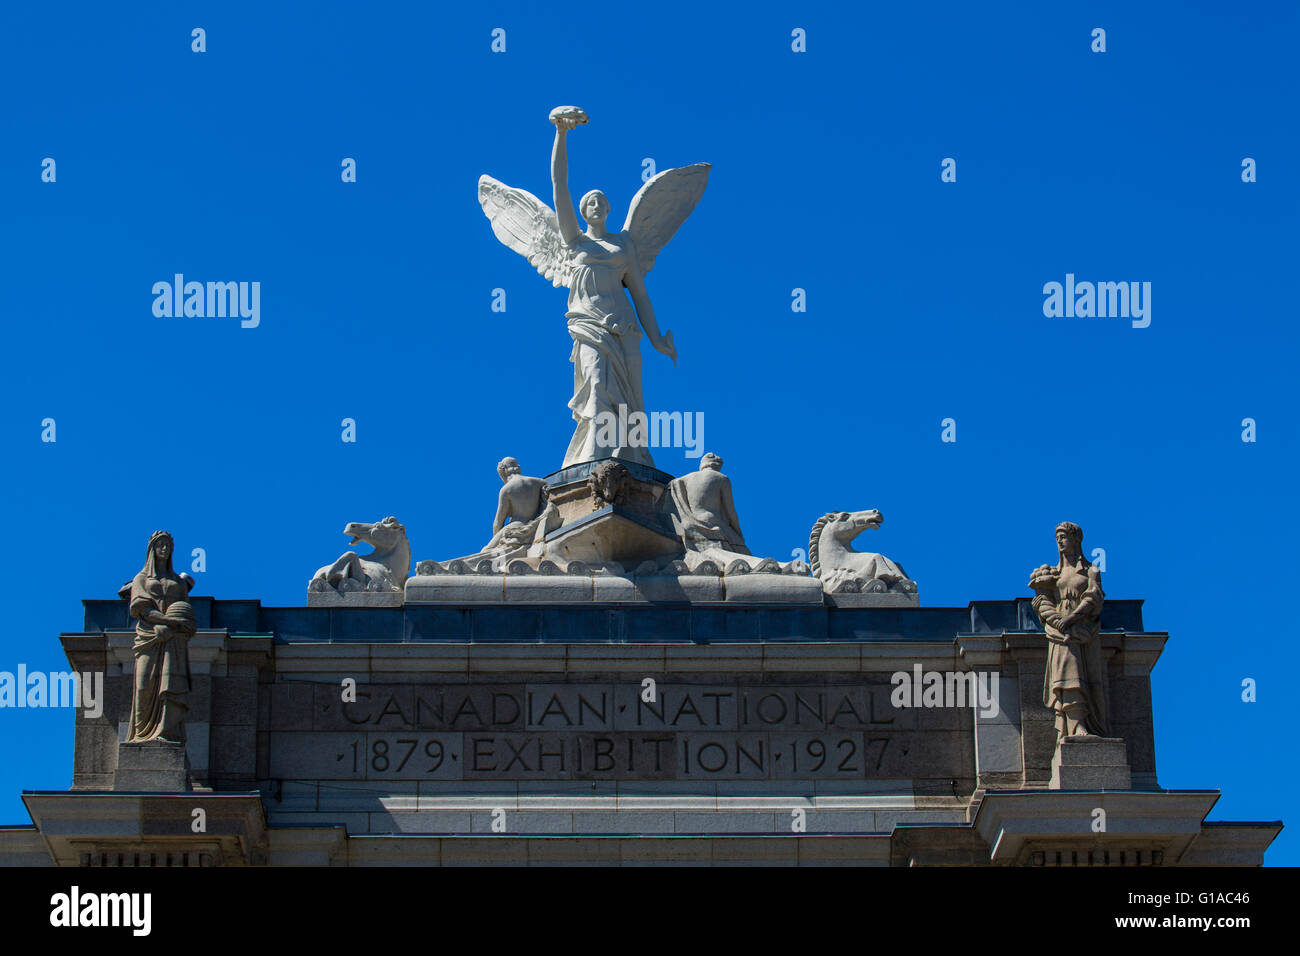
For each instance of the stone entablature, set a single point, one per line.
(666, 621)
(467, 716)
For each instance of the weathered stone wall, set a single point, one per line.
(539, 712)
(520, 734)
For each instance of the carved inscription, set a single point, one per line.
(595, 731)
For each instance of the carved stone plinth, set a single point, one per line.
(1091, 763)
(571, 490)
(611, 513)
(152, 766)
(611, 535)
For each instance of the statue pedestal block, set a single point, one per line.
(1091, 763)
(154, 766)
(571, 494)
(612, 534)
(621, 525)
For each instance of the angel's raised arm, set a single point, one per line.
(564, 214)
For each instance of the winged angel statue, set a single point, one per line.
(596, 266)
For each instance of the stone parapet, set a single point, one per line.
(644, 731)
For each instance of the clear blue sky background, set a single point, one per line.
(924, 302)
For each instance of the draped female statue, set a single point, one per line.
(157, 598)
(600, 268)
(1068, 601)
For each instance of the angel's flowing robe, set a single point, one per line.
(606, 356)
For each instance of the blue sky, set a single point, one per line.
(924, 302)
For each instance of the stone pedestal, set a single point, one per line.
(628, 530)
(1091, 763)
(612, 535)
(645, 487)
(152, 766)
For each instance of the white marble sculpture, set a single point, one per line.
(597, 267)
(384, 570)
(524, 515)
(845, 570)
(703, 514)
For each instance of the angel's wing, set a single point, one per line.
(662, 205)
(528, 226)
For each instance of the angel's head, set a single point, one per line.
(594, 207)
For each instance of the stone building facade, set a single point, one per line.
(622, 731)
